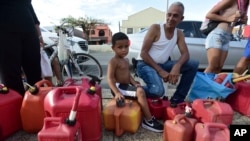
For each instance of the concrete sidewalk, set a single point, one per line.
(141, 135)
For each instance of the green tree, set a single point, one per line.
(87, 24)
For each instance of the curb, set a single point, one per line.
(102, 48)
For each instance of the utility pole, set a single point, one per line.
(119, 26)
(166, 10)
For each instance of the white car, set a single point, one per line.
(196, 44)
(77, 44)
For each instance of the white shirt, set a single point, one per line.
(161, 49)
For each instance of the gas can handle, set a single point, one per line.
(42, 82)
(215, 125)
(180, 117)
(72, 116)
(55, 120)
(221, 126)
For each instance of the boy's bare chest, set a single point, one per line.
(123, 65)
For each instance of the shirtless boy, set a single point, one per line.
(122, 83)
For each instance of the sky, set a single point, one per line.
(50, 12)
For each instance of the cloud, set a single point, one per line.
(50, 12)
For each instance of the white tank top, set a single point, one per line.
(161, 49)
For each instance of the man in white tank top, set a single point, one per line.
(154, 65)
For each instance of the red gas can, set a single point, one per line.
(180, 128)
(59, 101)
(171, 112)
(55, 129)
(212, 111)
(211, 132)
(10, 105)
(86, 83)
(157, 107)
(240, 100)
(246, 31)
(32, 110)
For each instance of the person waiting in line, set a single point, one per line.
(244, 61)
(20, 47)
(153, 64)
(122, 83)
(226, 12)
(55, 64)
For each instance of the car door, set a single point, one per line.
(236, 49)
(194, 40)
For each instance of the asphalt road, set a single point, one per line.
(103, 58)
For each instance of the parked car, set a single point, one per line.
(196, 44)
(77, 44)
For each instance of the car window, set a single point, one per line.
(143, 30)
(188, 29)
(198, 25)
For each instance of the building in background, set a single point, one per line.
(101, 34)
(134, 23)
(141, 20)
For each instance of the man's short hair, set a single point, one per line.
(179, 4)
(118, 36)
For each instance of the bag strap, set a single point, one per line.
(243, 5)
(228, 78)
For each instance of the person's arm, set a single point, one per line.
(37, 24)
(184, 57)
(182, 48)
(39, 35)
(213, 14)
(150, 37)
(111, 79)
(133, 82)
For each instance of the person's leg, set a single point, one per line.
(149, 122)
(154, 85)
(57, 70)
(10, 61)
(142, 100)
(244, 61)
(242, 65)
(188, 71)
(213, 55)
(31, 57)
(217, 44)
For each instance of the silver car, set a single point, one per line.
(196, 44)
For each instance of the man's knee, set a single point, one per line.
(156, 91)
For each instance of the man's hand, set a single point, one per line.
(173, 78)
(164, 75)
(174, 74)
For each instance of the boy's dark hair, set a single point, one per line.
(119, 36)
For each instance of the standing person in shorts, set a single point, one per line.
(122, 83)
(226, 12)
(244, 61)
